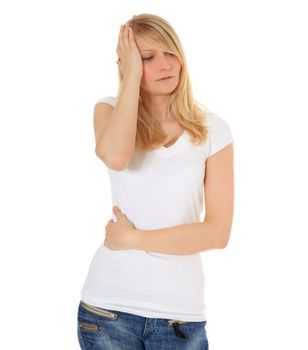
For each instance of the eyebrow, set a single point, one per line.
(146, 50)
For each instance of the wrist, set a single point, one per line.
(136, 239)
(131, 79)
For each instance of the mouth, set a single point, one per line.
(166, 78)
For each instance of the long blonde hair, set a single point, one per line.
(189, 113)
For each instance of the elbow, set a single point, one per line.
(225, 239)
(223, 245)
(114, 163)
(220, 233)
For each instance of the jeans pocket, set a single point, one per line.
(90, 327)
(99, 311)
(177, 329)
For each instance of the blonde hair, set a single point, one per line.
(189, 113)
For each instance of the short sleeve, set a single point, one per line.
(108, 99)
(220, 134)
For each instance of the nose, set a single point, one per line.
(164, 63)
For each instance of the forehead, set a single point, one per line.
(145, 47)
(148, 50)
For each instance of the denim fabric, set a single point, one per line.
(106, 329)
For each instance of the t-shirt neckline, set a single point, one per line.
(175, 147)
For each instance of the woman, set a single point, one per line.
(145, 285)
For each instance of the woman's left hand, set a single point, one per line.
(119, 234)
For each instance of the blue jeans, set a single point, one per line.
(106, 329)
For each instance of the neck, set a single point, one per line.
(157, 106)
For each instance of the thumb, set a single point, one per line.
(116, 210)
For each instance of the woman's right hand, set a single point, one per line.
(130, 60)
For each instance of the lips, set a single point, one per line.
(170, 76)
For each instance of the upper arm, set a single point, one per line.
(219, 190)
(102, 112)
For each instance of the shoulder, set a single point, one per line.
(220, 134)
(216, 124)
(107, 99)
(214, 120)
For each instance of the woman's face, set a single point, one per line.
(158, 64)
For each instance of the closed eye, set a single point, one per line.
(149, 58)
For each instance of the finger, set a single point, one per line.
(120, 33)
(108, 222)
(131, 39)
(120, 39)
(130, 34)
(119, 46)
(117, 210)
(125, 36)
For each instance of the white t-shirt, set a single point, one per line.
(157, 189)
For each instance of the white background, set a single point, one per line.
(248, 63)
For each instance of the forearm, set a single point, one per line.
(182, 239)
(117, 141)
